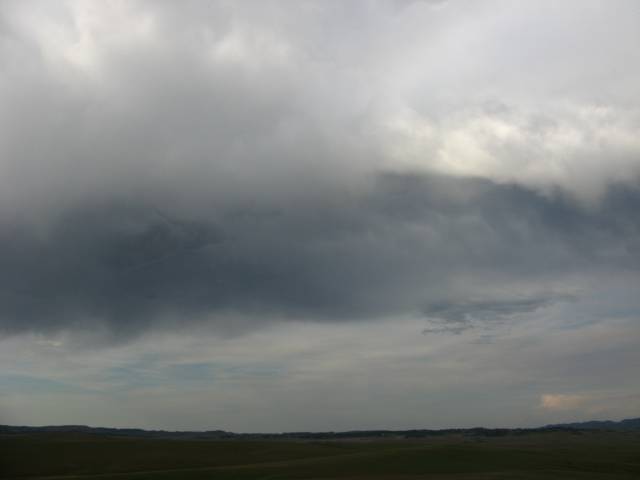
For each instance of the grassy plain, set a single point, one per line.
(556, 455)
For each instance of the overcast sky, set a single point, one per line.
(319, 215)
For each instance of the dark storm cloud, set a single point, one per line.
(462, 312)
(398, 248)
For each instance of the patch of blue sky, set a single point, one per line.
(254, 371)
(17, 383)
(127, 377)
(192, 372)
(619, 305)
(149, 375)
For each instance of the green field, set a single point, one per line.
(560, 455)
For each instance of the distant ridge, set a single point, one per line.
(120, 432)
(627, 424)
(631, 424)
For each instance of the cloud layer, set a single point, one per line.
(410, 245)
(216, 162)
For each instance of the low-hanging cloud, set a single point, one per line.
(407, 246)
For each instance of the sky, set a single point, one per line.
(266, 216)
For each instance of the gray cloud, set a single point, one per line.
(463, 313)
(212, 161)
(410, 244)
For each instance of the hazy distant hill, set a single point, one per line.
(623, 425)
(120, 432)
(627, 424)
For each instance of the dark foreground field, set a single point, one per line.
(558, 455)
